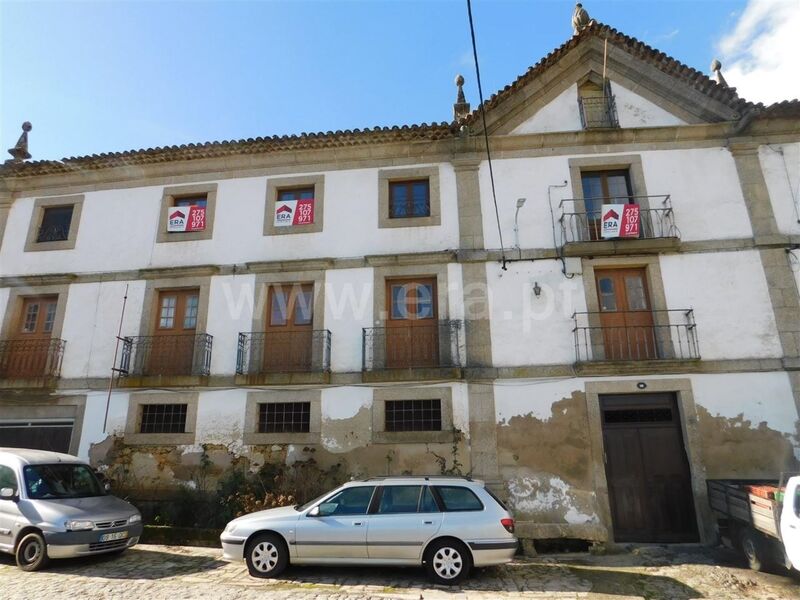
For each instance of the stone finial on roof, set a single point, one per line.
(580, 19)
(461, 107)
(716, 68)
(20, 151)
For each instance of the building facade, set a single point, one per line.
(346, 297)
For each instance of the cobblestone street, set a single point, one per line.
(155, 572)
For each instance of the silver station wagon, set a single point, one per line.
(446, 524)
(53, 506)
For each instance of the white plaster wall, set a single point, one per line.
(460, 395)
(561, 114)
(220, 418)
(635, 111)
(91, 319)
(232, 300)
(118, 228)
(728, 292)
(348, 309)
(518, 397)
(781, 167)
(4, 295)
(94, 415)
(705, 192)
(530, 330)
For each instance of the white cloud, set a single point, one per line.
(760, 56)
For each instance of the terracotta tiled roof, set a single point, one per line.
(633, 46)
(787, 108)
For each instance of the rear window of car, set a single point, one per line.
(457, 498)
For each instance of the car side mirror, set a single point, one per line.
(314, 512)
(8, 493)
(326, 508)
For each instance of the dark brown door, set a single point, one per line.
(288, 334)
(172, 347)
(626, 318)
(603, 187)
(29, 352)
(412, 330)
(649, 483)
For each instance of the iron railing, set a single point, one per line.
(671, 335)
(284, 352)
(29, 359)
(579, 224)
(418, 345)
(598, 112)
(148, 355)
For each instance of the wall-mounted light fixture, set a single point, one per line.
(520, 204)
(537, 289)
(641, 385)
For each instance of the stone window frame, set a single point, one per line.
(252, 437)
(381, 395)
(682, 388)
(35, 407)
(135, 402)
(39, 206)
(387, 175)
(630, 162)
(277, 184)
(655, 288)
(16, 299)
(168, 197)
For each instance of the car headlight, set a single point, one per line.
(135, 519)
(78, 525)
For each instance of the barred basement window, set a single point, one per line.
(163, 418)
(638, 415)
(413, 415)
(284, 417)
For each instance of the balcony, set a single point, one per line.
(598, 112)
(283, 356)
(581, 226)
(32, 363)
(165, 359)
(614, 337)
(419, 349)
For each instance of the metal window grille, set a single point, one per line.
(284, 417)
(163, 418)
(56, 221)
(638, 415)
(413, 415)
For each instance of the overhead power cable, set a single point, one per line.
(485, 132)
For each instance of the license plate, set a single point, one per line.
(110, 537)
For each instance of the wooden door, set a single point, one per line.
(288, 335)
(29, 352)
(626, 317)
(599, 188)
(647, 470)
(412, 329)
(172, 346)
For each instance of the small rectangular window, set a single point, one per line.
(458, 498)
(56, 221)
(413, 415)
(409, 199)
(163, 418)
(284, 417)
(200, 200)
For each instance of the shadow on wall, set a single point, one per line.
(736, 448)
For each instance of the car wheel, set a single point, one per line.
(32, 552)
(753, 549)
(266, 555)
(448, 562)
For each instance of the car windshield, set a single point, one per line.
(59, 481)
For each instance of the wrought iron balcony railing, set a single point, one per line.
(581, 219)
(284, 352)
(31, 359)
(637, 335)
(598, 112)
(412, 344)
(169, 355)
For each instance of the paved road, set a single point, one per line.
(178, 573)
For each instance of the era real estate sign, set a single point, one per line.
(186, 218)
(620, 220)
(289, 213)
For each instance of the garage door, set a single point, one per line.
(54, 435)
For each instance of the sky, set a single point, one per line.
(106, 75)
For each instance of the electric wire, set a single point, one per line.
(485, 132)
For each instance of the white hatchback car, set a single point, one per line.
(446, 524)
